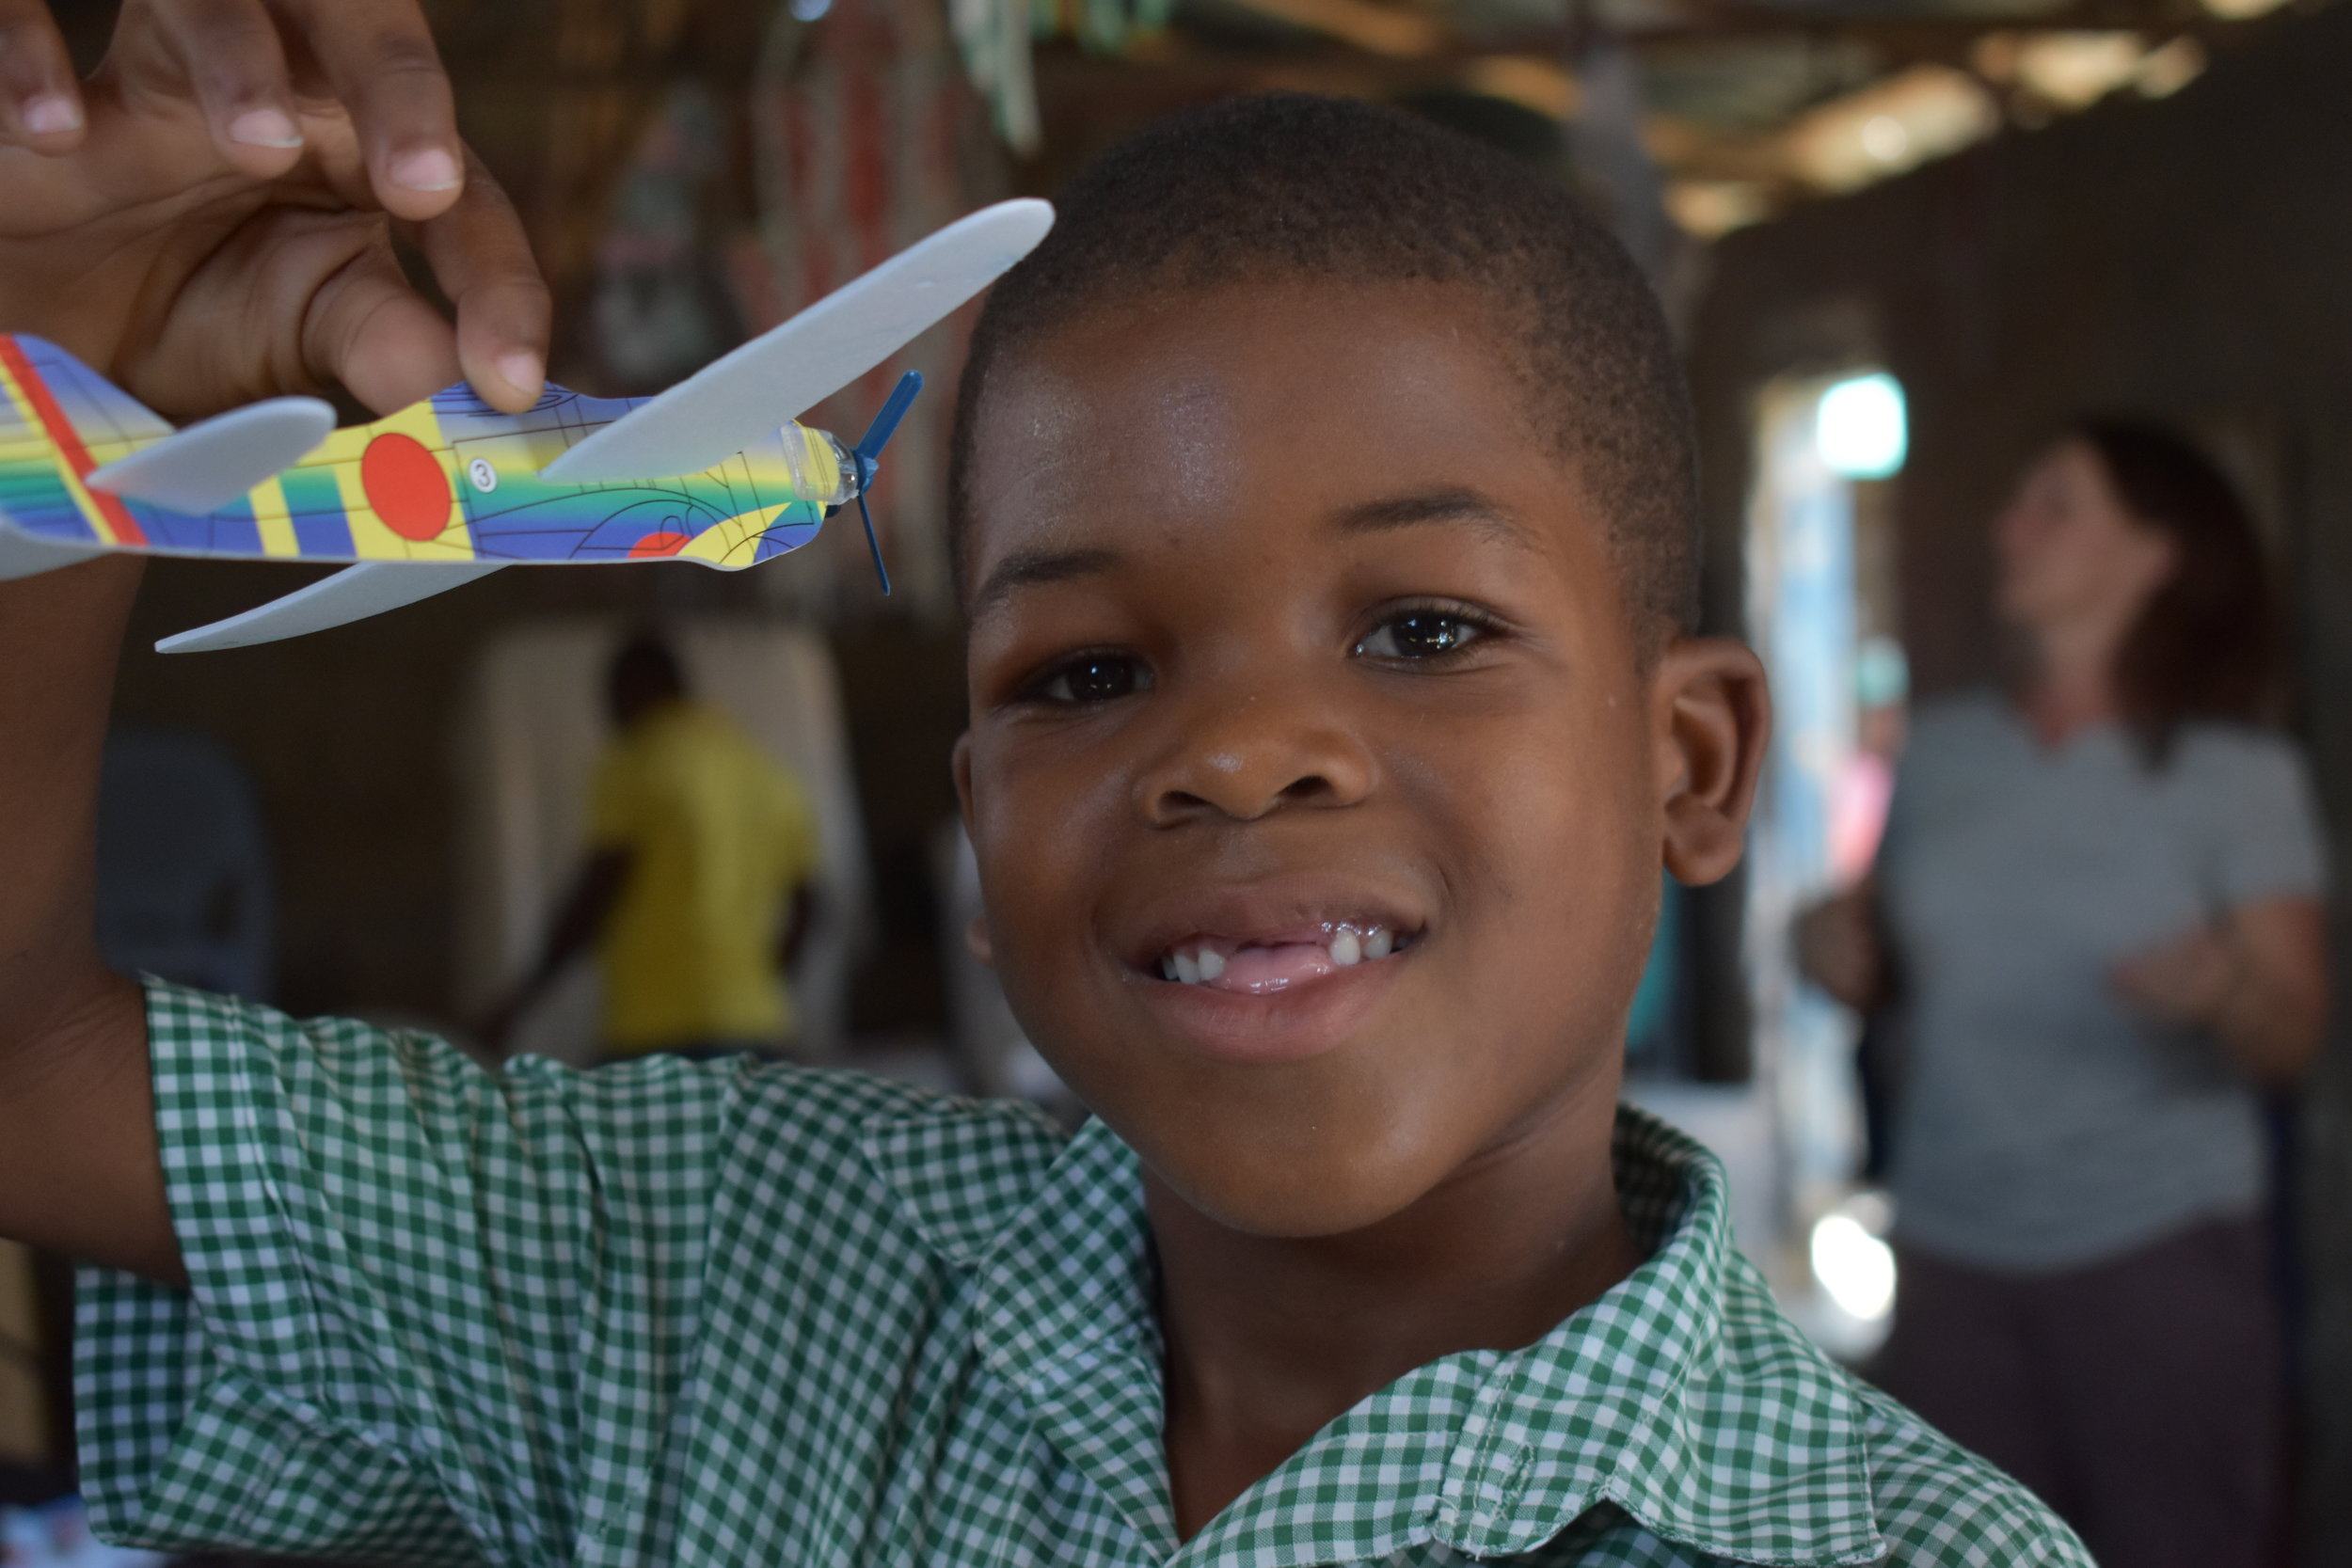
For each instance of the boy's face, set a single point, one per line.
(1292, 643)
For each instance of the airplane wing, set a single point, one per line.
(214, 462)
(353, 594)
(745, 396)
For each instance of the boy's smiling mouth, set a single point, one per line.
(1268, 962)
(1276, 970)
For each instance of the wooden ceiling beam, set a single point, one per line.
(1398, 32)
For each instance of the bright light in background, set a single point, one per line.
(2168, 69)
(1889, 126)
(1709, 209)
(809, 10)
(1853, 1266)
(1860, 430)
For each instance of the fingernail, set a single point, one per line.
(429, 170)
(51, 114)
(266, 128)
(520, 368)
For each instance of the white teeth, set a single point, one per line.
(1349, 946)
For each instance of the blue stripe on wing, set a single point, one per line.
(231, 528)
(315, 504)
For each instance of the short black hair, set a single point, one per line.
(1286, 185)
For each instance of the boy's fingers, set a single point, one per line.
(237, 69)
(378, 56)
(40, 103)
(367, 330)
(482, 258)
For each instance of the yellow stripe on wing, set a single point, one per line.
(274, 519)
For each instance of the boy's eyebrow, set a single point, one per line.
(1030, 569)
(1459, 504)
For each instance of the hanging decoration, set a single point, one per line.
(865, 135)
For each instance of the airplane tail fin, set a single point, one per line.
(43, 383)
(58, 414)
(214, 462)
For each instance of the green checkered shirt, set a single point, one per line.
(683, 1314)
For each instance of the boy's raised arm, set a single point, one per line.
(79, 1170)
(189, 226)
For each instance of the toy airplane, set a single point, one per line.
(447, 490)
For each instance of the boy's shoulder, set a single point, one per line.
(1940, 1505)
(1724, 1432)
(1933, 1504)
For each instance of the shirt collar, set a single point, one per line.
(1681, 1395)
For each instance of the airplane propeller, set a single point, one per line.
(867, 454)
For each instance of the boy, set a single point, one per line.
(1322, 499)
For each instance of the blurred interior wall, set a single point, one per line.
(2184, 258)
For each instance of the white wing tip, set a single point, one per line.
(354, 594)
(1029, 215)
(937, 273)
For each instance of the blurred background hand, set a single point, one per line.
(2185, 982)
(1839, 947)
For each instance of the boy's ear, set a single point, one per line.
(1711, 714)
(975, 934)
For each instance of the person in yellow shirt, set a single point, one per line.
(696, 890)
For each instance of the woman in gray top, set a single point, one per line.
(2098, 906)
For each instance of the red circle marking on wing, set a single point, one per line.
(405, 486)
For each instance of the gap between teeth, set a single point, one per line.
(1347, 946)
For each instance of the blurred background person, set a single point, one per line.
(697, 887)
(2098, 906)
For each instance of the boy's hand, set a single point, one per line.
(209, 218)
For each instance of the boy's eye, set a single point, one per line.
(1091, 679)
(1420, 634)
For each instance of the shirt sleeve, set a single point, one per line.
(2263, 826)
(403, 1267)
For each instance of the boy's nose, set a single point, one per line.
(1241, 758)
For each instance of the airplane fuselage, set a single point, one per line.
(446, 480)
